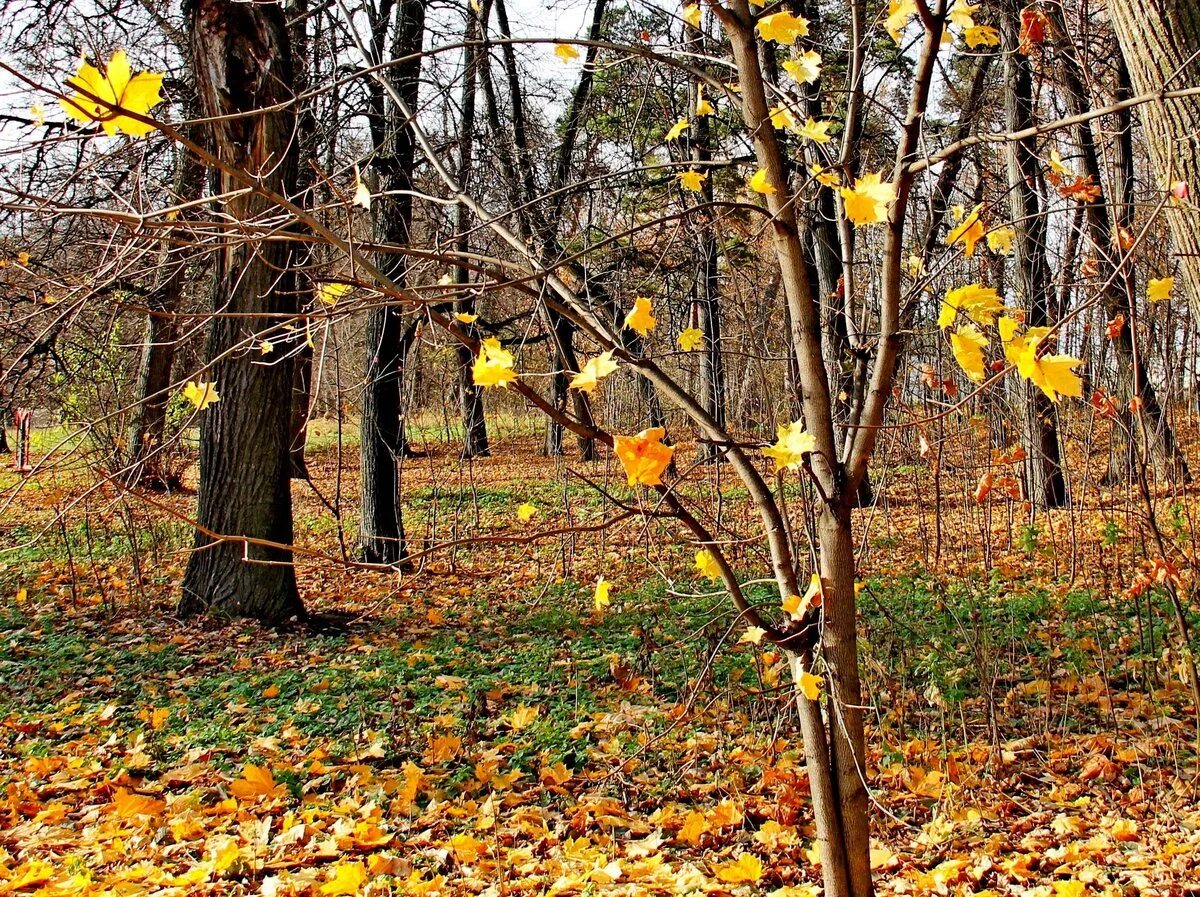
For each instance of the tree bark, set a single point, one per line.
(1044, 481)
(388, 341)
(1117, 294)
(243, 65)
(1160, 42)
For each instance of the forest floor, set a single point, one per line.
(480, 728)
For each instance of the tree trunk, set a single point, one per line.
(1160, 41)
(475, 435)
(1045, 484)
(382, 438)
(147, 426)
(1158, 439)
(243, 65)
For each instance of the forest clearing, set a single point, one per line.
(492, 447)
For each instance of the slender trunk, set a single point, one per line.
(1045, 484)
(242, 59)
(1160, 41)
(475, 436)
(302, 61)
(388, 340)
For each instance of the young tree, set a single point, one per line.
(242, 560)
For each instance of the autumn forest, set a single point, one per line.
(599, 447)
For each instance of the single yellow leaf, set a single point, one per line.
(691, 14)
(1000, 240)
(640, 318)
(347, 879)
(816, 131)
(362, 194)
(644, 456)
(782, 27)
(201, 394)
(676, 129)
(900, 12)
(782, 117)
(747, 869)
(760, 182)
(522, 718)
(1159, 288)
(981, 304)
(130, 805)
(810, 685)
(330, 293)
(981, 36)
(494, 365)
(565, 52)
(600, 598)
(692, 179)
(969, 232)
(256, 781)
(526, 511)
(968, 344)
(792, 445)
(690, 339)
(102, 97)
(706, 563)
(465, 317)
(869, 200)
(806, 68)
(594, 370)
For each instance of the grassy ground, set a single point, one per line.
(481, 728)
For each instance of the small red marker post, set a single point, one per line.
(23, 421)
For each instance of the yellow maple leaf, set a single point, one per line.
(565, 52)
(706, 563)
(640, 317)
(826, 176)
(868, 201)
(1074, 888)
(1052, 374)
(347, 880)
(752, 636)
(695, 826)
(600, 598)
(782, 27)
(981, 304)
(1159, 288)
(968, 344)
(703, 106)
(676, 129)
(969, 232)
(595, 370)
(522, 718)
(97, 96)
(465, 317)
(782, 117)
(266, 347)
(494, 365)
(899, 14)
(130, 805)
(466, 848)
(961, 14)
(792, 445)
(691, 14)
(981, 36)
(810, 685)
(330, 293)
(644, 456)
(201, 394)
(39, 115)
(1000, 240)
(690, 339)
(816, 131)
(760, 183)
(525, 512)
(806, 68)
(797, 606)
(256, 781)
(747, 868)
(692, 179)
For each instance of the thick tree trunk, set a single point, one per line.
(243, 65)
(1160, 41)
(382, 440)
(1045, 484)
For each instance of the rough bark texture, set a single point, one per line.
(242, 61)
(388, 341)
(1160, 40)
(1045, 484)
